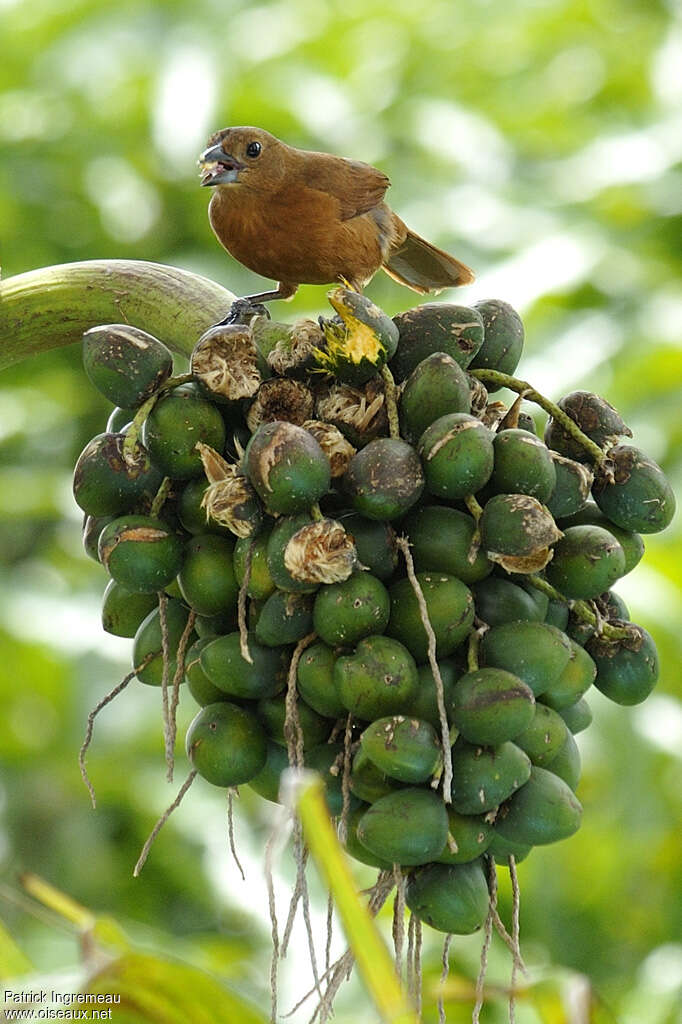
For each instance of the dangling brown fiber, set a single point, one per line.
(487, 937)
(165, 674)
(241, 605)
(293, 734)
(175, 694)
(162, 821)
(330, 933)
(404, 546)
(107, 699)
(516, 958)
(409, 969)
(345, 777)
(230, 828)
(418, 967)
(398, 918)
(274, 963)
(445, 960)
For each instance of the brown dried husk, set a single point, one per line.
(321, 552)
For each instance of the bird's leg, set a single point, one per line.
(243, 309)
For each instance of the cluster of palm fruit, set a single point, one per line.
(285, 467)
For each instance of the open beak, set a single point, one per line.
(218, 167)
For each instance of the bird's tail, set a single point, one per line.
(425, 268)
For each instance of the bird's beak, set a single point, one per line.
(218, 167)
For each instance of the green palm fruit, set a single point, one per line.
(315, 680)
(587, 561)
(125, 364)
(578, 716)
(442, 539)
(149, 640)
(192, 514)
(284, 619)
(425, 703)
(216, 625)
(375, 544)
(534, 651)
(438, 385)
(226, 745)
(123, 610)
(355, 848)
(518, 532)
(261, 583)
(450, 608)
(572, 487)
(557, 614)
(323, 758)
(600, 421)
(367, 781)
(287, 467)
(206, 579)
(566, 762)
(523, 465)
(172, 429)
(613, 606)
(403, 748)
(198, 683)
(346, 612)
(544, 735)
(498, 600)
(384, 479)
(272, 713)
(482, 777)
(379, 678)
(544, 810)
(451, 898)
(407, 827)
(468, 837)
(639, 498)
(92, 528)
(490, 706)
(574, 681)
(627, 670)
(267, 782)
(224, 665)
(119, 419)
(436, 327)
(226, 363)
(106, 483)
(631, 543)
(358, 341)
(280, 535)
(140, 552)
(501, 849)
(503, 338)
(457, 455)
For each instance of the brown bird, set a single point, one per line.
(302, 217)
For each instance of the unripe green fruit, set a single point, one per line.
(287, 467)
(321, 759)
(482, 777)
(631, 543)
(380, 678)
(284, 619)
(498, 601)
(367, 781)
(572, 487)
(436, 327)
(314, 728)
(280, 535)
(534, 651)
(457, 455)
(92, 528)
(501, 850)
(566, 762)
(359, 345)
(450, 898)
(149, 640)
(216, 625)
(403, 748)
(190, 513)
(267, 782)
(125, 364)
(140, 552)
(206, 579)
(518, 532)
(346, 612)
(119, 419)
(441, 540)
(557, 614)
(407, 827)
(468, 837)
(315, 680)
(544, 735)
(355, 848)
(523, 465)
(198, 683)
(600, 421)
(438, 385)
(224, 665)
(544, 810)
(503, 338)
(375, 544)
(177, 422)
(123, 610)
(384, 479)
(425, 703)
(491, 706)
(450, 608)
(578, 716)
(105, 483)
(574, 681)
(587, 561)
(627, 670)
(226, 744)
(261, 583)
(640, 497)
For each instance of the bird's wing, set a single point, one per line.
(356, 186)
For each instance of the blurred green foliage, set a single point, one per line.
(538, 140)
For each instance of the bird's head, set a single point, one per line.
(240, 156)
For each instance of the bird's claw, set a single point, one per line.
(242, 311)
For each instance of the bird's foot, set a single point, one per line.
(242, 311)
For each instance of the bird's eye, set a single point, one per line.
(253, 149)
